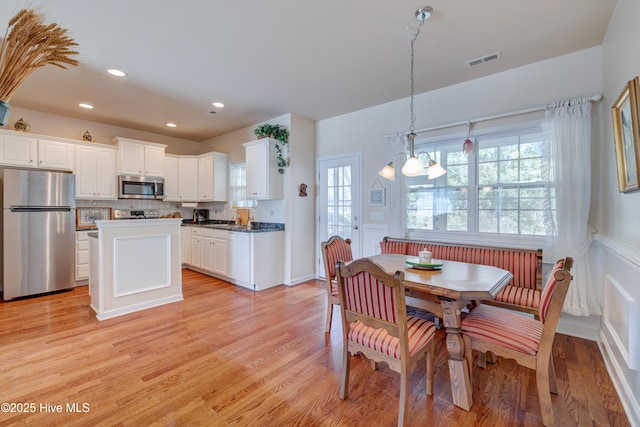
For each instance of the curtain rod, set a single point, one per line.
(592, 98)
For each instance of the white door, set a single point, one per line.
(340, 206)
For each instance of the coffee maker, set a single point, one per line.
(200, 215)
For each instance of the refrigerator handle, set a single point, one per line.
(40, 209)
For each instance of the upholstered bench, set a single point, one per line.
(522, 293)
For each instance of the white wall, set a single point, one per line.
(66, 127)
(575, 75)
(617, 217)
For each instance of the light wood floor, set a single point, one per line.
(229, 356)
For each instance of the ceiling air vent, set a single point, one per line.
(484, 59)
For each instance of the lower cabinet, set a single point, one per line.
(252, 260)
(82, 255)
(185, 240)
(206, 249)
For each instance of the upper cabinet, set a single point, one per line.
(17, 150)
(55, 155)
(212, 177)
(187, 178)
(140, 158)
(263, 179)
(171, 178)
(95, 172)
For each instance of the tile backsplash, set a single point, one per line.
(265, 211)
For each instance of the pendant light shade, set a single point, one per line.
(388, 172)
(435, 170)
(412, 167)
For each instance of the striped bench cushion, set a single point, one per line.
(420, 331)
(393, 247)
(519, 296)
(503, 327)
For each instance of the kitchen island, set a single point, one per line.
(134, 265)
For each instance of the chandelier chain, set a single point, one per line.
(412, 38)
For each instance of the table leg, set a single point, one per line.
(458, 369)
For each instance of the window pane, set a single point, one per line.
(504, 200)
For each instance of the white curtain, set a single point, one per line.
(568, 128)
(396, 144)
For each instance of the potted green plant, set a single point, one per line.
(29, 44)
(281, 135)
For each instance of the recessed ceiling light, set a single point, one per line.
(87, 106)
(116, 72)
(218, 104)
(172, 125)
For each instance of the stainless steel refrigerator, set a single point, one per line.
(39, 232)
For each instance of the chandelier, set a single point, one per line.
(412, 165)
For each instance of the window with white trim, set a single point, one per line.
(503, 187)
(238, 186)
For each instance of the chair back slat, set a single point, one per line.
(366, 295)
(333, 250)
(547, 291)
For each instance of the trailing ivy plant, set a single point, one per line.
(281, 135)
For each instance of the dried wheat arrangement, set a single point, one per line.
(29, 44)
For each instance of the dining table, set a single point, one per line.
(445, 288)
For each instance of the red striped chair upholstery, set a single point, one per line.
(375, 323)
(333, 250)
(527, 340)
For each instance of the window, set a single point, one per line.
(339, 201)
(502, 187)
(238, 186)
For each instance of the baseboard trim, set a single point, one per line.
(616, 373)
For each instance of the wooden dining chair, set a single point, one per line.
(527, 340)
(375, 324)
(333, 250)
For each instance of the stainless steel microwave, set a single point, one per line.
(138, 187)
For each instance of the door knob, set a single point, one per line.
(355, 227)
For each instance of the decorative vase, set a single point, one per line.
(4, 113)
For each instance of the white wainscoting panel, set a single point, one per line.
(141, 264)
(621, 320)
(372, 235)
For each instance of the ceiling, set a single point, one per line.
(263, 59)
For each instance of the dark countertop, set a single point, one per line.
(256, 227)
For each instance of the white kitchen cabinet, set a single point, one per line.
(263, 179)
(55, 155)
(140, 158)
(18, 151)
(239, 247)
(212, 177)
(220, 258)
(188, 178)
(185, 240)
(95, 170)
(82, 255)
(207, 254)
(256, 259)
(202, 248)
(171, 178)
(154, 161)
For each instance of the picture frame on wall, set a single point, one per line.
(626, 134)
(377, 197)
